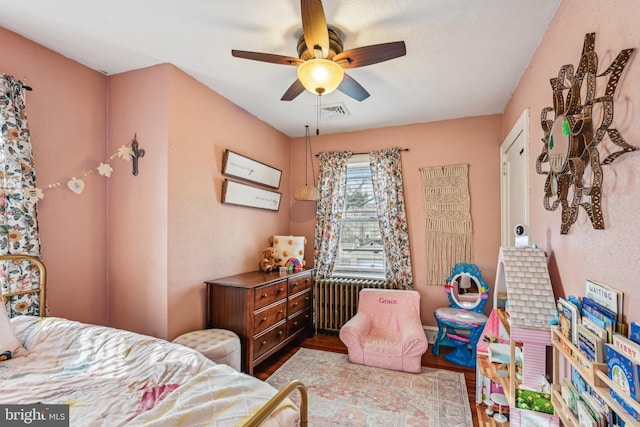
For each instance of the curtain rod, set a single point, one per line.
(355, 154)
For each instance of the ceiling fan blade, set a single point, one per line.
(314, 26)
(267, 57)
(294, 90)
(367, 55)
(351, 87)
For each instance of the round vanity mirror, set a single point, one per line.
(559, 144)
(465, 291)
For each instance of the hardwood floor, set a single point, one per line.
(328, 342)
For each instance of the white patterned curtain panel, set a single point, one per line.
(332, 183)
(447, 220)
(18, 219)
(386, 174)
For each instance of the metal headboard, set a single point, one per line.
(41, 291)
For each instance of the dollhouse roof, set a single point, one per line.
(523, 272)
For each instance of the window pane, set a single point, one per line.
(360, 250)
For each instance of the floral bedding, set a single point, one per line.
(112, 377)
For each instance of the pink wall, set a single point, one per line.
(137, 206)
(208, 239)
(475, 141)
(610, 256)
(67, 119)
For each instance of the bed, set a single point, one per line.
(114, 377)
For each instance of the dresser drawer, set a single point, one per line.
(269, 316)
(300, 283)
(298, 321)
(266, 341)
(269, 294)
(299, 301)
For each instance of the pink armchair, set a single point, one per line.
(387, 330)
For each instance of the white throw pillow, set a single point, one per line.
(8, 340)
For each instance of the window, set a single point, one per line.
(360, 251)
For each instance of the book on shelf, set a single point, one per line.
(568, 319)
(624, 373)
(599, 310)
(590, 413)
(605, 296)
(622, 370)
(569, 395)
(578, 382)
(610, 318)
(634, 332)
(610, 415)
(590, 345)
(609, 327)
(598, 331)
(627, 347)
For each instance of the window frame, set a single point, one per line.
(360, 271)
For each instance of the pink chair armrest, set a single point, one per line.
(358, 327)
(413, 337)
(352, 334)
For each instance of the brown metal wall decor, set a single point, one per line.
(572, 138)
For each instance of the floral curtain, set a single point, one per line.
(332, 183)
(18, 223)
(386, 174)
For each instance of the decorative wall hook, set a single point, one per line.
(136, 154)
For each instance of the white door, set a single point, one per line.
(514, 188)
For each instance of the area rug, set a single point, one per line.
(346, 394)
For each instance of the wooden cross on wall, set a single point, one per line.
(137, 153)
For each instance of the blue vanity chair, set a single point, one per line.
(468, 294)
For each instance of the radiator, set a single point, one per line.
(336, 300)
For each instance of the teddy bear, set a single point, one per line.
(269, 260)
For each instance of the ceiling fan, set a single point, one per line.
(321, 60)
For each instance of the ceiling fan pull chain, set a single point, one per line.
(318, 105)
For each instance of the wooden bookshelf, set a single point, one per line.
(594, 374)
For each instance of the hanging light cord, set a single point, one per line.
(313, 174)
(318, 107)
(307, 156)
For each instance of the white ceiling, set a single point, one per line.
(464, 57)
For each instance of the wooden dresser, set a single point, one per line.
(266, 310)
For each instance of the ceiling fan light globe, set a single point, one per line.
(320, 76)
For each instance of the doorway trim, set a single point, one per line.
(520, 127)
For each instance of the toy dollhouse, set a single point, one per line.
(523, 291)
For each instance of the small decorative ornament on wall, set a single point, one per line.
(573, 138)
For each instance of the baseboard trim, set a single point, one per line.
(431, 332)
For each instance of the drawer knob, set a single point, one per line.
(306, 298)
(264, 319)
(295, 303)
(264, 342)
(264, 295)
(295, 323)
(280, 289)
(295, 284)
(280, 333)
(279, 311)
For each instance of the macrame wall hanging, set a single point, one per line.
(447, 220)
